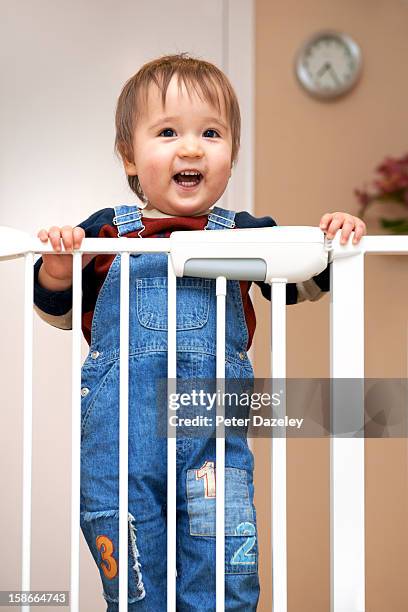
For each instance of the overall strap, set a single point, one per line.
(128, 219)
(220, 218)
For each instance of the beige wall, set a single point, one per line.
(309, 157)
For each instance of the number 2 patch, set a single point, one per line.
(243, 555)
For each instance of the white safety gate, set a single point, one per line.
(277, 256)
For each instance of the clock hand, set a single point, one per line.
(323, 69)
(334, 75)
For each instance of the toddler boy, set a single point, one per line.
(178, 134)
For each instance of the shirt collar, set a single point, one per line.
(153, 213)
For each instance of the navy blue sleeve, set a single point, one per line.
(60, 302)
(323, 279)
(246, 220)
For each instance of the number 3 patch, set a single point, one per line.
(108, 565)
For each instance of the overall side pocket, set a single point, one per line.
(93, 382)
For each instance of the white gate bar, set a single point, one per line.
(123, 431)
(114, 245)
(14, 243)
(278, 451)
(347, 454)
(27, 422)
(221, 292)
(381, 244)
(171, 436)
(76, 428)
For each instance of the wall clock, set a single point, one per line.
(328, 64)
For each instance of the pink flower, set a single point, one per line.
(391, 185)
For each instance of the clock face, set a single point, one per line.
(328, 64)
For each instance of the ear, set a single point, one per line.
(126, 156)
(130, 167)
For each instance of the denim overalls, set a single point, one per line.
(196, 351)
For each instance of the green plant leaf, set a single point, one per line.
(396, 226)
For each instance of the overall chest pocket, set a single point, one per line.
(193, 302)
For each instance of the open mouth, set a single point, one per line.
(188, 179)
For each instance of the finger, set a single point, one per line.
(43, 235)
(78, 235)
(359, 231)
(335, 225)
(325, 220)
(67, 238)
(54, 235)
(346, 230)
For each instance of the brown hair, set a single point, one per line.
(196, 74)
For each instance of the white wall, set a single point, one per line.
(62, 65)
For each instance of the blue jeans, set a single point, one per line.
(196, 467)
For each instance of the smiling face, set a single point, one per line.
(188, 136)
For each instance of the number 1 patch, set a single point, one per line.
(207, 472)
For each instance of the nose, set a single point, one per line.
(190, 146)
